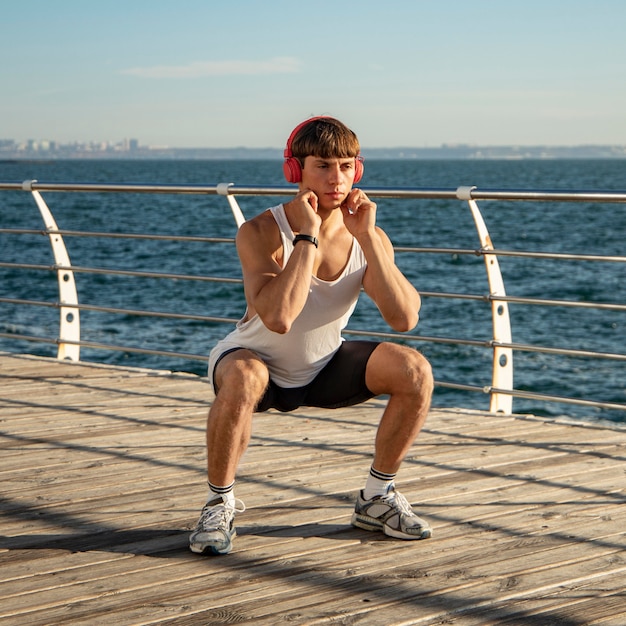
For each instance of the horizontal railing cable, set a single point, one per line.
(513, 195)
(556, 256)
(544, 397)
(118, 311)
(119, 272)
(109, 235)
(111, 347)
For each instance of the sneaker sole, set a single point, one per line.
(366, 523)
(372, 524)
(398, 534)
(210, 551)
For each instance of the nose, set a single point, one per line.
(334, 173)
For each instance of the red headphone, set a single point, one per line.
(291, 165)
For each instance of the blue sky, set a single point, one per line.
(243, 73)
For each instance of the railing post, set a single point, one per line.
(69, 322)
(502, 368)
(222, 190)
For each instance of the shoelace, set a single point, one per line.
(398, 500)
(220, 513)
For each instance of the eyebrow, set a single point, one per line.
(328, 159)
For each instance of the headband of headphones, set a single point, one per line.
(291, 166)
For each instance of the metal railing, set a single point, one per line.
(501, 345)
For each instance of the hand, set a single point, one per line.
(304, 209)
(359, 212)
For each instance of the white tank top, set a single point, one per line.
(296, 357)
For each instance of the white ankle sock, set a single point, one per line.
(227, 492)
(378, 484)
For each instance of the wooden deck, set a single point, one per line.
(102, 474)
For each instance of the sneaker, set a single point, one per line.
(392, 514)
(215, 531)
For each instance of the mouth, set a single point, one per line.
(336, 196)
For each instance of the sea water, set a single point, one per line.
(588, 228)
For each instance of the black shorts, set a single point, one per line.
(340, 383)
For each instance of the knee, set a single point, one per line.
(403, 370)
(415, 371)
(243, 375)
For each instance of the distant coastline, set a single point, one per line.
(10, 150)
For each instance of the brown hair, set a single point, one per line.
(326, 138)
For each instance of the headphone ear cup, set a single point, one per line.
(292, 170)
(358, 169)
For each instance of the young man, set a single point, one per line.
(304, 263)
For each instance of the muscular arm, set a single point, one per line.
(276, 294)
(396, 298)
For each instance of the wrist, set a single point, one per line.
(306, 239)
(367, 237)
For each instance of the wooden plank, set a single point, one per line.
(103, 476)
(297, 581)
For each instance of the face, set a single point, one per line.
(330, 179)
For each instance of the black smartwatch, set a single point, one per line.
(308, 238)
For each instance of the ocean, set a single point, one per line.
(546, 227)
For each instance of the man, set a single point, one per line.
(304, 263)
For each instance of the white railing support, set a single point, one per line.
(69, 322)
(502, 367)
(222, 190)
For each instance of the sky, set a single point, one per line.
(230, 73)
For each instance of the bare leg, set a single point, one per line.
(406, 376)
(242, 379)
